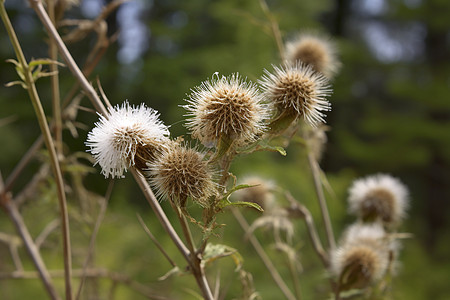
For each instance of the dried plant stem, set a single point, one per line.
(92, 95)
(91, 273)
(56, 98)
(151, 199)
(153, 238)
(23, 163)
(89, 90)
(298, 210)
(295, 278)
(262, 254)
(274, 27)
(32, 91)
(9, 205)
(315, 170)
(98, 222)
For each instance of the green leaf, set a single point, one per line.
(268, 147)
(223, 146)
(44, 61)
(215, 251)
(237, 188)
(243, 203)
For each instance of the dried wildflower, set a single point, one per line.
(226, 108)
(378, 198)
(127, 136)
(180, 173)
(314, 50)
(362, 258)
(260, 192)
(276, 219)
(296, 91)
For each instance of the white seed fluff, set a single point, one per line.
(116, 138)
(362, 190)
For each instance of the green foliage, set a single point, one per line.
(386, 117)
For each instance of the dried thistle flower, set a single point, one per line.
(317, 51)
(226, 108)
(181, 172)
(296, 91)
(362, 258)
(127, 136)
(379, 197)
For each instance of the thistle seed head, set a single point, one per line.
(317, 51)
(127, 136)
(226, 107)
(378, 198)
(181, 173)
(362, 258)
(297, 91)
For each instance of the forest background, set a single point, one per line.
(390, 114)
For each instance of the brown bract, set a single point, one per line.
(181, 173)
(226, 108)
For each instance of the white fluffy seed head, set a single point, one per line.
(298, 91)
(362, 257)
(379, 197)
(315, 50)
(226, 107)
(126, 137)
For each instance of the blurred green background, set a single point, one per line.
(390, 113)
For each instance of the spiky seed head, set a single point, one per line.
(362, 257)
(226, 107)
(379, 197)
(181, 173)
(315, 50)
(297, 91)
(127, 136)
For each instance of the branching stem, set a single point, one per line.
(32, 91)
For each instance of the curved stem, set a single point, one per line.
(32, 91)
(262, 254)
(89, 90)
(314, 166)
(16, 217)
(297, 209)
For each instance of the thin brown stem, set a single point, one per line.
(151, 199)
(98, 222)
(91, 273)
(56, 98)
(87, 87)
(15, 174)
(298, 210)
(9, 205)
(295, 278)
(95, 99)
(153, 238)
(274, 27)
(32, 92)
(262, 254)
(315, 170)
